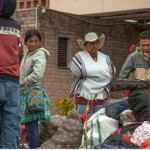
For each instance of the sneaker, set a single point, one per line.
(23, 146)
(26, 146)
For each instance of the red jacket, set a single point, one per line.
(9, 41)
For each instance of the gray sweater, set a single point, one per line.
(35, 65)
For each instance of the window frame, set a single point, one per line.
(68, 38)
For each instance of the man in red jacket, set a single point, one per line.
(10, 93)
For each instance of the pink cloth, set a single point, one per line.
(141, 136)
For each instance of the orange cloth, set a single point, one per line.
(23, 126)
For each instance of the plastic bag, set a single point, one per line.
(99, 128)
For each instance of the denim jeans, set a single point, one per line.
(10, 105)
(117, 108)
(82, 109)
(33, 134)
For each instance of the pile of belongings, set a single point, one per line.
(131, 136)
(123, 123)
(108, 133)
(138, 98)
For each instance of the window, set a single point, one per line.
(62, 52)
(35, 3)
(44, 3)
(28, 4)
(21, 5)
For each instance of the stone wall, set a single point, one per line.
(54, 24)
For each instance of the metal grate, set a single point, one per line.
(62, 52)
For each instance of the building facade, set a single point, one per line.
(59, 35)
(114, 10)
(100, 7)
(24, 4)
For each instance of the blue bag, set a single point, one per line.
(114, 107)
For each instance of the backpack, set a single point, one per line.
(139, 102)
(122, 134)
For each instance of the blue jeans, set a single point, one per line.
(117, 108)
(10, 105)
(33, 134)
(82, 109)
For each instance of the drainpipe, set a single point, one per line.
(49, 3)
(36, 17)
(36, 14)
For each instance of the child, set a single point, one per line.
(23, 144)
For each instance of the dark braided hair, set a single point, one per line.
(144, 35)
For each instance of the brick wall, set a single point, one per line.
(52, 24)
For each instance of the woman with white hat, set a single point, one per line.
(92, 72)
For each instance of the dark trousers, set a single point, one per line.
(33, 134)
